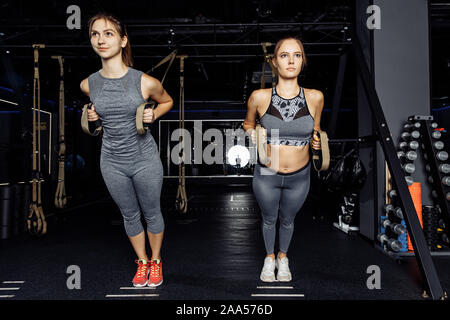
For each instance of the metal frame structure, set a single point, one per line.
(204, 40)
(337, 93)
(422, 252)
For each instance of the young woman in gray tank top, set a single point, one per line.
(289, 114)
(130, 163)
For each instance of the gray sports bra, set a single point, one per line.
(290, 118)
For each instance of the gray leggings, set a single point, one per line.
(284, 192)
(134, 185)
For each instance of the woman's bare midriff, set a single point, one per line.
(290, 158)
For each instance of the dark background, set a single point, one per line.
(222, 39)
(218, 78)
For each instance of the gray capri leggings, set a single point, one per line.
(284, 192)
(135, 185)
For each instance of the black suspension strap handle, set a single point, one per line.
(142, 127)
(321, 158)
(92, 128)
(60, 194)
(36, 223)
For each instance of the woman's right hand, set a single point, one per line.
(316, 141)
(262, 133)
(92, 114)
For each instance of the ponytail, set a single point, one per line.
(127, 58)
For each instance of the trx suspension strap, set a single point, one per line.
(181, 200)
(321, 158)
(268, 60)
(36, 219)
(90, 127)
(60, 195)
(170, 58)
(260, 141)
(261, 145)
(140, 125)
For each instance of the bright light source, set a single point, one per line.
(238, 155)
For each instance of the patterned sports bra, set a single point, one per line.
(288, 121)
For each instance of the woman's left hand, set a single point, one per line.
(149, 116)
(316, 141)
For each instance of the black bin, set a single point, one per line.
(22, 199)
(6, 211)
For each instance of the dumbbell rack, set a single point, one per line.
(428, 137)
(434, 228)
(441, 191)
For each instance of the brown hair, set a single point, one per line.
(280, 42)
(121, 29)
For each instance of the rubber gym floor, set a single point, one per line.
(215, 252)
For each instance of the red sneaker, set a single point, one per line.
(155, 278)
(141, 277)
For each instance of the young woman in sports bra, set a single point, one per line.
(289, 114)
(129, 162)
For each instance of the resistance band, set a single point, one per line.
(140, 125)
(60, 195)
(36, 219)
(181, 199)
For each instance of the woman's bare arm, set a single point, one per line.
(152, 88)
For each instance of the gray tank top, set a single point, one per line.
(116, 101)
(290, 118)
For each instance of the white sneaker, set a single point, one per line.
(284, 274)
(268, 270)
